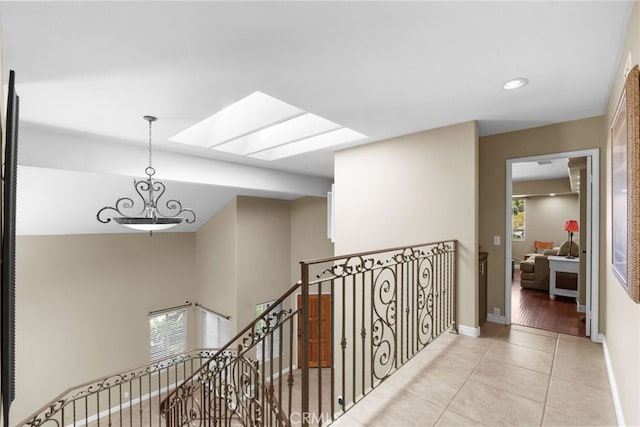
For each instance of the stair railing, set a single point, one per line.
(348, 325)
(244, 381)
(131, 397)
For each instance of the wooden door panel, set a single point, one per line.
(317, 341)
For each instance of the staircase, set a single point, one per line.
(349, 324)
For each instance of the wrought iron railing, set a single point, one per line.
(349, 324)
(131, 397)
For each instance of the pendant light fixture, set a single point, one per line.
(149, 218)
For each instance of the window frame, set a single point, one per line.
(169, 350)
(514, 233)
(261, 308)
(220, 339)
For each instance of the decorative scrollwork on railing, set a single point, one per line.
(441, 248)
(231, 381)
(425, 300)
(383, 336)
(349, 267)
(51, 414)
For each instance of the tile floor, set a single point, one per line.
(511, 376)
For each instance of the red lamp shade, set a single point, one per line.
(571, 225)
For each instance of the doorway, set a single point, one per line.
(590, 240)
(319, 331)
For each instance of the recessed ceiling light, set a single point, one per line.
(515, 83)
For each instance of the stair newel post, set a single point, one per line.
(304, 311)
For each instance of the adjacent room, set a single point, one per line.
(546, 204)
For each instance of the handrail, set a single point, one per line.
(384, 307)
(250, 327)
(83, 390)
(372, 252)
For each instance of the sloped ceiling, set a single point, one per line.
(88, 71)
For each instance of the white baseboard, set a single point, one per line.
(582, 308)
(469, 331)
(612, 383)
(496, 318)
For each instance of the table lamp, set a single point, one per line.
(570, 227)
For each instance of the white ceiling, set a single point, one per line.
(539, 170)
(88, 71)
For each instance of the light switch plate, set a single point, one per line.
(496, 240)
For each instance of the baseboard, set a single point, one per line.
(496, 318)
(469, 331)
(612, 383)
(582, 308)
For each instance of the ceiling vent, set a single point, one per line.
(545, 162)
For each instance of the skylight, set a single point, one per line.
(264, 127)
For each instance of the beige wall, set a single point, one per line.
(622, 333)
(308, 232)
(83, 300)
(494, 152)
(541, 187)
(83, 303)
(216, 265)
(413, 189)
(250, 252)
(263, 260)
(544, 221)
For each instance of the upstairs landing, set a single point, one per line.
(509, 376)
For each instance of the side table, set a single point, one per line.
(568, 265)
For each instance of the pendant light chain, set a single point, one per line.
(150, 170)
(150, 151)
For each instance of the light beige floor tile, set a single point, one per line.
(576, 397)
(495, 407)
(581, 349)
(563, 417)
(394, 409)
(524, 357)
(514, 379)
(435, 386)
(451, 419)
(346, 421)
(585, 370)
(566, 337)
(527, 339)
(470, 344)
(534, 331)
(490, 329)
(459, 362)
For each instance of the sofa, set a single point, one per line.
(534, 272)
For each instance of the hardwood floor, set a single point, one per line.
(536, 310)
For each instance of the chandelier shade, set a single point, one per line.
(149, 217)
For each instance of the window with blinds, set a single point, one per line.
(167, 333)
(268, 351)
(215, 330)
